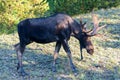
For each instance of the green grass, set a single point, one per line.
(103, 65)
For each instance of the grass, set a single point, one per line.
(103, 65)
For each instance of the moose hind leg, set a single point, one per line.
(20, 51)
(57, 49)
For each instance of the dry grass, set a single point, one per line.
(103, 65)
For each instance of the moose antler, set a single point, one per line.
(96, 22)
(83, 26)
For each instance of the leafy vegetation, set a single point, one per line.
(73, 7)
(103, 65)
(13, 11)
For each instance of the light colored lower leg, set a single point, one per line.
(17, 47)
(55, 55)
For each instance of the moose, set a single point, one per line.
(56, 28)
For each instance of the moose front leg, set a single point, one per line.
(67, 49)
(81, 52)
(20, 51)
(57, 49)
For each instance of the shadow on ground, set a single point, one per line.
(39, 65)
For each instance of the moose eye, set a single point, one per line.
(84, 34)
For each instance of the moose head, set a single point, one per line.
(85, 36)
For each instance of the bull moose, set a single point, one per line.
(56, 28)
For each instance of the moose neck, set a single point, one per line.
(76, 30)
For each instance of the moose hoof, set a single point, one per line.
(54, 69)
(81, 59)
(22, 72)
(75, 72)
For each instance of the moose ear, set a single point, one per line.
(84, 25)
(80, 20)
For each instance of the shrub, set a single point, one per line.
(74, 7)
(13, 11)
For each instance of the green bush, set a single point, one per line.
(73, 7)
(13, 11)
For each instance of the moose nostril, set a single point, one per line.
(90, 51)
